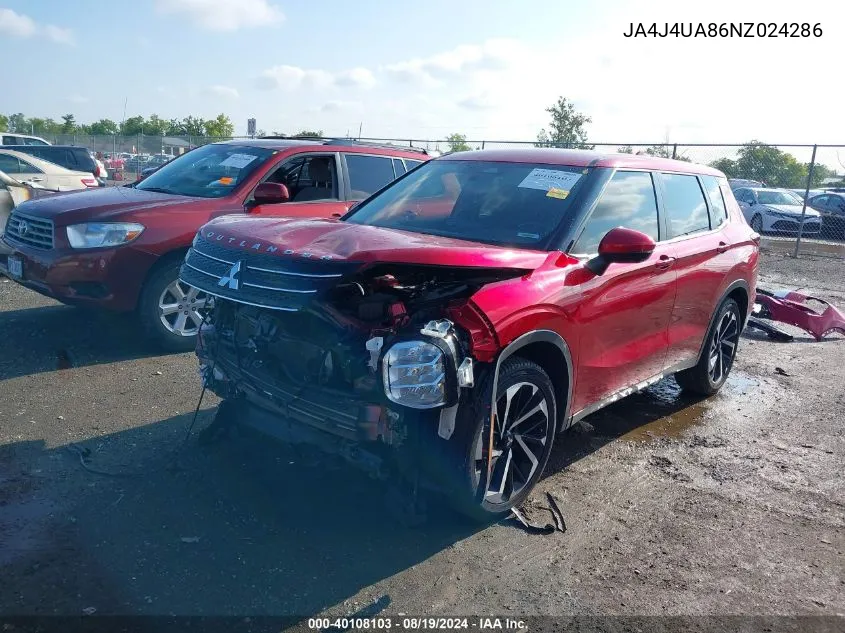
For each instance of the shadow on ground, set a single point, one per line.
(244, 527)
(54, 337)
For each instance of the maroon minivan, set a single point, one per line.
(121, 247)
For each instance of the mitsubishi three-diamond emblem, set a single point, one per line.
(230, 279)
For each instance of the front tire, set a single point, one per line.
(757, 224)
(712, 370)
(171, 311)
(527, 423)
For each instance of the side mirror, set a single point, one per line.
(271, 193)
(621, 245)
(751, 202)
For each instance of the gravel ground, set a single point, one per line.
(733, 505)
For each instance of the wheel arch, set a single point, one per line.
(739, 292)
(551, 352)
(175, 255)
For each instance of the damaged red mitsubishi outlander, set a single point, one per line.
(449, 327)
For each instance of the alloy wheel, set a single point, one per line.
(519, 440)
(180, 308)
(723, 347)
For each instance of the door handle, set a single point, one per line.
(664, 262)
(722, 247)
(337, 215)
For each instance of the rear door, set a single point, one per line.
(695, 222)
(623, 315)
(365, 174)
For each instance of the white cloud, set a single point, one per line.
(477, 102)
(463, 60)
(224, 15)
(336, 106)
(226, 92)
(292, 77)
(19, 25)
(15, 24)
(59, 35)
(77, 98)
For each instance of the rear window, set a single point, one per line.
(718, 210)
(514, 204)
(368, 174)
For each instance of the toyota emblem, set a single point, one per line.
(23, 228)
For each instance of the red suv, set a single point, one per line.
(454, 323)
(121, 247)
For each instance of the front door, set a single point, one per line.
(623, 315)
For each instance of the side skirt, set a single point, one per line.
(627, 391)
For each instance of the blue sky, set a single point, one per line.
(425, 69)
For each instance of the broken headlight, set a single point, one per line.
(414, 374)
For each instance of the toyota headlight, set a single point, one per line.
(102, 234)
(414, 375)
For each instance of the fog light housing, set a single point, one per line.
(414, 375)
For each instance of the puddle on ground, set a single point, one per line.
(661, 411)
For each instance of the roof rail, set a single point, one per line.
(352, 141)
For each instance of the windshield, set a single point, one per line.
(211, 171)
(514, 204)
(778, 197)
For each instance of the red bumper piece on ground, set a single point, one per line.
(792, 308)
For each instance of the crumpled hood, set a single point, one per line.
(343, 241)
(102, 203)
(790, 209)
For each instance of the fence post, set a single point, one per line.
(482, 144)
(806, 194)
(674, 151)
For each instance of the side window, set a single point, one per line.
(10, 140)
(412, 163)
(368, 174)
(628, 201)
(315, 180)
(819, 202)
(34, 141)
(398, 166)
(9, 164)
(718, 210)
(686, 209)
(288, 173)
(29, 168)
(836, 202)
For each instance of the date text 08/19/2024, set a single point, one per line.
(407, 623)
(725, 29)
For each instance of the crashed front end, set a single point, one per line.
(368, 360)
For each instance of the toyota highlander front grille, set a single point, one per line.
(29, 230)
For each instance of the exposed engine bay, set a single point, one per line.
(367, 360)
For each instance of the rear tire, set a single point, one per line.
(757, 224)
(720, 347)
(170, 311)
(526, 405)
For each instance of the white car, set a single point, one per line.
(8, 138)
(776, 211)
(29, 169)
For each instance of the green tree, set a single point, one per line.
(155, 126)
(193, 126)
(457, 143)
(133, 126)
(309, 134)
(174, 128)
(4, 123)
(758, 161)
(220, 126)
(664, 151)
(18, 123)
(725, 165)
(625, 149)
(44, 127)
(820, 173)
(103, 127)
(69, 124)
(566, 128)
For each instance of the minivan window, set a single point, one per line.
(686, 209)
(718, 210)
(513, 204)
(628, 201)
(10, 140)
(368, 174)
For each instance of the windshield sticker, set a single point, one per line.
(560, 194)
(547, 179)
(238, 161)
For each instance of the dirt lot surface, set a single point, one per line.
(733, 505)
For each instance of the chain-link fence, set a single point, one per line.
(794, 195)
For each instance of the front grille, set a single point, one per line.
(29, 230)
(283, 282)
(810, 226)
